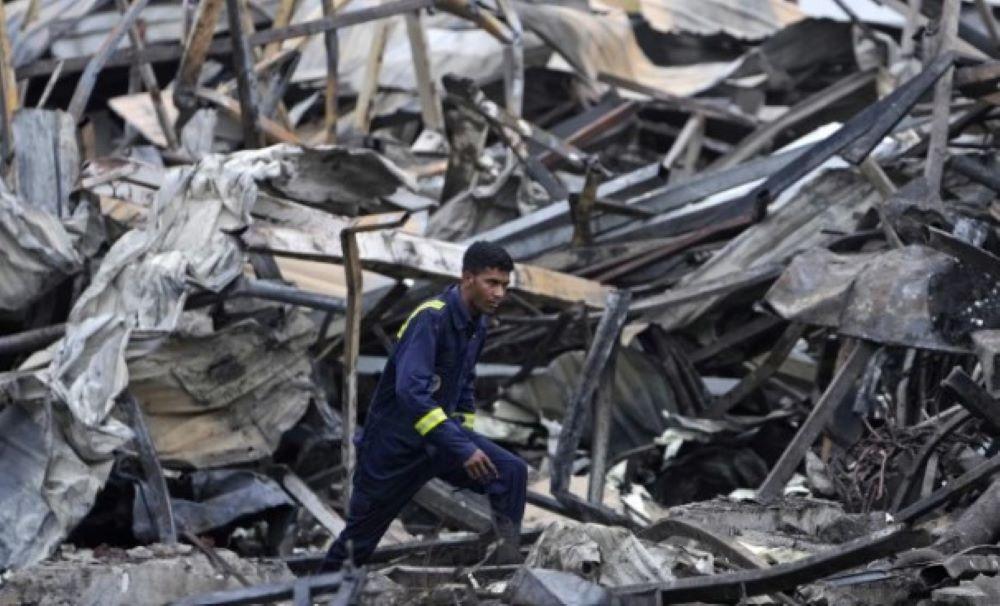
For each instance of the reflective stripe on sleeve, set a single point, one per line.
(430, 420)
(468, 419)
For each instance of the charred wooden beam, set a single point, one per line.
(937, 150)
(973, 397)
(157, 498)
(756, 379)
(857, 137)
(986, 174)
(775, 482)
(598, 355)
(758, 140)
(745, 332)
(31, 340)
(246, 78)
(601, 434)
(956, 487)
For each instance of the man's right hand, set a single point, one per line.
(480, 467)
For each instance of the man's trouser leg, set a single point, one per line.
(369, 515)
(373, 508)
(507, 494)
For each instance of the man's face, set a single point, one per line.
(486, 289)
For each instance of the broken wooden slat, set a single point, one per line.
(9, 98)
(373, 68)
(430, 100)
(158, 497)
(937, 151)
(330, 41)
(282, 17)
(196, 48)
(319, 510)
(692, 127)
(734, 586)
(774, 484)
(89, 78)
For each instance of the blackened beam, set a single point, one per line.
(37, 338)
(157, 498)
(750, 330)
(605, 337)
(547, 228)
(954, 488)
(878, 119)
(986, 174)
(723, 284)
(30, 340)
(756, 378)
(821, 413)
(268, 592)
(734, 586)
(246, 78)
(173, 52)
(857, 137)
(973, 397)
(282, 293)
(763, 136)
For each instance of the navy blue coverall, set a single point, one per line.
(419, 427)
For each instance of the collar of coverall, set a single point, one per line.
(459, 311)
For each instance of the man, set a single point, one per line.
(419, 424)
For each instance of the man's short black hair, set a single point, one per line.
(486, 255)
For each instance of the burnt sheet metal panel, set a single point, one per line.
(892, 298)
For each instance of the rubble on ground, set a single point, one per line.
(751, 351)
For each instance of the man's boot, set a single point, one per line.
(509, 536)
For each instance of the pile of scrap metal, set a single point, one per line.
(752, 346)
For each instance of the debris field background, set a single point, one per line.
(751, 351)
